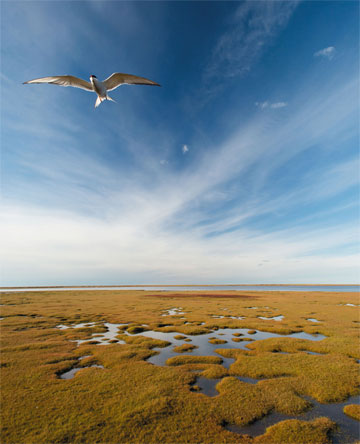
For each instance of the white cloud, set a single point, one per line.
(262, 105)
(327, 53)
(266, 104)
(46, 247)
(150, 233)
(124, 224)
(253, 28)
(278, 105)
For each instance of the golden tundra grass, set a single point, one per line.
(184, 348)
(133, 401)
(353, 411)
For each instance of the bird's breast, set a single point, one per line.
(99, 87)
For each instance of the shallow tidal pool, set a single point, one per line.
(347, 430)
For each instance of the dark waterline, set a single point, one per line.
(331, 288)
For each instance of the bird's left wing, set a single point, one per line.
(119, 78)
(64, 81)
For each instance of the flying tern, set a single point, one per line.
(100, 88)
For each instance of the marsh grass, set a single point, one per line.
(188, 359)
(133, 401)
(312, 432)
(136, 329)
(217, 341)
(179, 337)
(353, 411)
(242, 339)
(184, 348)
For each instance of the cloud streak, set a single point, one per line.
(108, 197)
(168, 227)
(252, 30)
(266, 104)
(327, 53)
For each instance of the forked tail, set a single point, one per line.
(109, 98)
(98, 101)
(101, 99)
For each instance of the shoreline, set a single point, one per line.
(175, 286)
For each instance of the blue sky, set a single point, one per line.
(242, 168)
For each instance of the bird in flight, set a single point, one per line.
(100, 88)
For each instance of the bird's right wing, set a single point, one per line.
(64, 81)
(119, 78)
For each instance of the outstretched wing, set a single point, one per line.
(119, 78)
(64, 81)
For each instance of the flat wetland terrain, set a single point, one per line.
(129, 366)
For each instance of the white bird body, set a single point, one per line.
(100, 88)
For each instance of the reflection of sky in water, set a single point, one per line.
(173, 312)
(83, 325)
(227, 317)
(201, 341)
(104, 338)
(207, 349)
(275, 318)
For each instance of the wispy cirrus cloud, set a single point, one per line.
(129, 250)
(113, 230)
(252, 30)
(326, 53)
(103, 198)
(266, 104)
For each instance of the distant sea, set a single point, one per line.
(333, 288)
